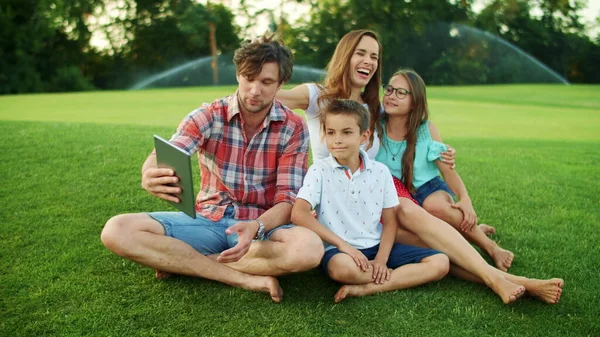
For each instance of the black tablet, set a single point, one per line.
(170, 156)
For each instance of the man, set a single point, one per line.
(253, 154)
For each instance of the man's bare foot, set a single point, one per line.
(274, 289)
(487, 229)
(346, 291)
(265, 284)
(508, 291)
(547, 291)
(502, 258)
(161, 275)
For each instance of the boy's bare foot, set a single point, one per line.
(502, 258)
(162, 274)
(547, 291)
(345, 291)
(508, 291)
(487, 229)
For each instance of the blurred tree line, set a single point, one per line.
(447, 43)
(45, 44)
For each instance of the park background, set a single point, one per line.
(512, 85)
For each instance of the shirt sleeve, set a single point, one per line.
(390, 197)
(311, 188)
(194, 129)
(434, 150)
(292, 164)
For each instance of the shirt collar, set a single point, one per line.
(365, 164)
(275, 114)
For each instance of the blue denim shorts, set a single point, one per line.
(435, 184)
(399, 255)
(206, 236)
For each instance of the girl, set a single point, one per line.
(411, 147)
(354, 72)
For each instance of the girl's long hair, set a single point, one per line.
(338, 80)
(417, 116)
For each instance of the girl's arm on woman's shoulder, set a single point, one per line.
(295, 98)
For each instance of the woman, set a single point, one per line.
(354, 72)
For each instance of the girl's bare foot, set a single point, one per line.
(547, 291)
(162, 274)
(502, 258)
(508, 291)
(487, 229)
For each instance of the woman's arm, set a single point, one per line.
(457, 186)
(295, 98)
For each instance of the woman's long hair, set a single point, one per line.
(338, 81)
(417, 116)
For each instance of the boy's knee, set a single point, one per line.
(439, 265)
(340, 274)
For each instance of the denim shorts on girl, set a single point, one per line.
(399, 255)
(206, 236)
(435, 184)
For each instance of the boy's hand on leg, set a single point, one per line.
(359, 258)
(381, 273)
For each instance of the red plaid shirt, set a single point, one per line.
(252, 175)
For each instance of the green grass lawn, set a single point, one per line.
(528, 155)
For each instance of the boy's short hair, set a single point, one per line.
(252, 55)
(346, 107)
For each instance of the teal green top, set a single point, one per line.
(427, 151)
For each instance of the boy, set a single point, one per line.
(350, 194)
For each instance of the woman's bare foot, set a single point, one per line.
(547, 291)
(508, 291)
(161, 275)
(487, 229)
(502, 258)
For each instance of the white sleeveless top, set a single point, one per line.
(319, 148)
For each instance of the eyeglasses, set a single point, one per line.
(400, 92)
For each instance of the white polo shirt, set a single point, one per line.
(350, 205)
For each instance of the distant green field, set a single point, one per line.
(499, 111)
(528, 154)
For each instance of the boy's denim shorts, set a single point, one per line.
(435, 184)
(206, 236)
(399, 255)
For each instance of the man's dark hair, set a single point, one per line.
(252, 55)
(346, 107)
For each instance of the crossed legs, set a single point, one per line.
(142, 239)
